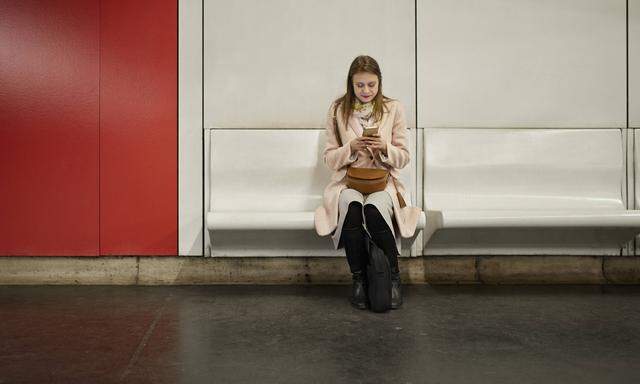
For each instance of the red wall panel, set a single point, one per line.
(49, 127)
(138, 127)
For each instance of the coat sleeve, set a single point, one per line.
(335, 156)
(398, 155)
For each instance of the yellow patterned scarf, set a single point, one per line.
(362, 116)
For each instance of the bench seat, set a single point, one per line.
(268, 220)
(265, 183)
(532, 219)
(520, 182)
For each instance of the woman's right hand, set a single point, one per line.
(359, 143)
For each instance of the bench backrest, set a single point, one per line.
(522, 169)
(272, 170)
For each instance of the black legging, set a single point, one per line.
(353, 236)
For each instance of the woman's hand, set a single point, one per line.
(357, 144)
(376, 143)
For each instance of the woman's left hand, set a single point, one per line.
(377, 143)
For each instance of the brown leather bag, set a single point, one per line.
(366, 180)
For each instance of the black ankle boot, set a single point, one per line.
(396, 289)
(358, 292)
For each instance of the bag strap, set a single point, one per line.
(398, 194)
(337, 133)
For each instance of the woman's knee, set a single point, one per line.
(382, 201)
(353, 218)
(348, 195)
(375, 221)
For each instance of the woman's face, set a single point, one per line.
(365, 86)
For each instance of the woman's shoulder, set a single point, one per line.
(332, 108)
(334, 105)
(392, 104)
(390, 101)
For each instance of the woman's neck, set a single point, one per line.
(360, 106)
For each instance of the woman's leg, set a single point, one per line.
(353, 238)
(381, 234)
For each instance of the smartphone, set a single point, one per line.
(370, 131)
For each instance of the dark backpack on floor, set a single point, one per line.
(378, 278)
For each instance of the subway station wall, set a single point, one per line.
(88, 95)
(88, 127)
(463, 64)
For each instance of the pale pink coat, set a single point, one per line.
(393, 129)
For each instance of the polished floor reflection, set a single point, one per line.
(310, 334)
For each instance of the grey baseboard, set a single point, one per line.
(189, 270)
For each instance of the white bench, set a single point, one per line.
(265, 179)
(526, 191)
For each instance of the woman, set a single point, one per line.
(346, 213)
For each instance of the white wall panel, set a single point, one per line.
(634, 63)
(190, 128)
(279, 63)
(521, 63)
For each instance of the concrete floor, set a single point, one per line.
(310, 334)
